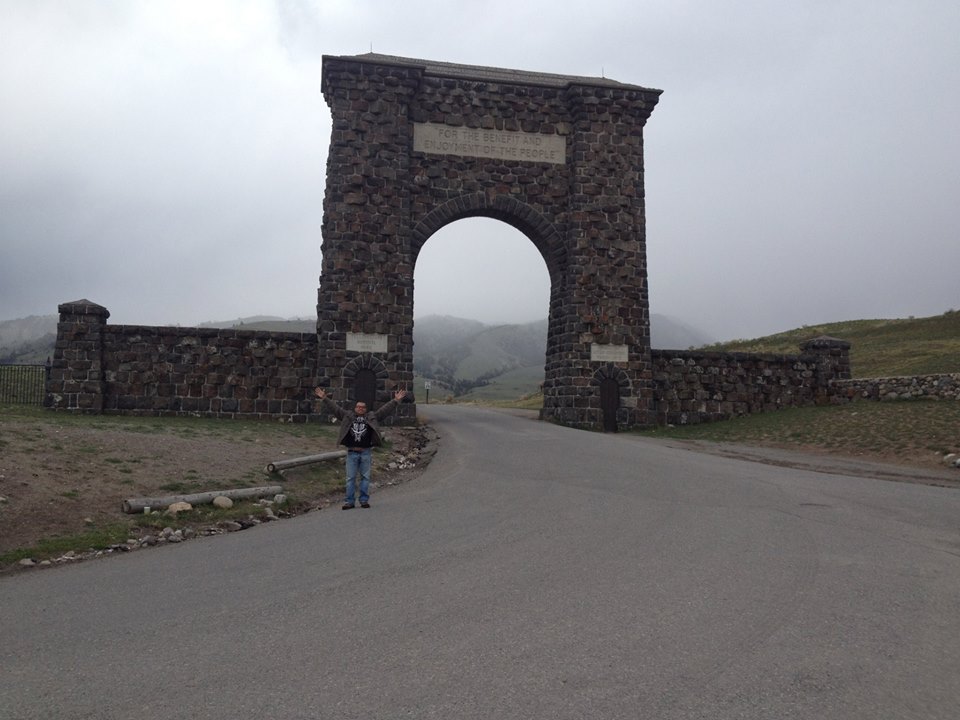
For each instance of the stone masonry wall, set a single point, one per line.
(228, 372)
(692, 386)
(140, 370)
(909, 387)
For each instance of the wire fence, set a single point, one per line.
(23, 384)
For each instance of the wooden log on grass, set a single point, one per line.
(305, 460)
(136, 505)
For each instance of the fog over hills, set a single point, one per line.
(465, 354)
(28, 340)
(665, 332)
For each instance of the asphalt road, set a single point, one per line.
(532, 572)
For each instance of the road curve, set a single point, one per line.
(533, 571)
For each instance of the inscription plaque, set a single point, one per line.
(366, 342)
(439, 139)
(609, 353)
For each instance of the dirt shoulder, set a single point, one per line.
(877, 465)
(63, 479)
(67, 477)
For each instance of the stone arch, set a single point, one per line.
(417, 144)
(538, 229)
(359, 365)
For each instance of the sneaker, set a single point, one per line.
(364, 504)
(347, 506)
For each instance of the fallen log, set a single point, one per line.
(306, 460)
(136, 505)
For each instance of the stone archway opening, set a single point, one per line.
(482, 271)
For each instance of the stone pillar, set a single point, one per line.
(833, 363)
(602, 313)
(365, 298)
(76, 380)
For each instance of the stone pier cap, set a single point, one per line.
(825, 342)
(433, 68)
(83, 307)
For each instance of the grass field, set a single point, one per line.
(911, 431)
(878, 348)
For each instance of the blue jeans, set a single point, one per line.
(358, 462)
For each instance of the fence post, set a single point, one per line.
(76, 379)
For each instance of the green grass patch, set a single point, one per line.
(95, 538)
(527, 402)
(317, 479)
(200, 515)
(179, 487)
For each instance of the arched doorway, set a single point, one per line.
(365, 379)
(609, 403)
(610, 385)
(365, 387)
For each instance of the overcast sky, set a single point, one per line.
(167, 159)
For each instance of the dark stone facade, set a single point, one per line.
(585, 215)
(696, 386)
(140, 370)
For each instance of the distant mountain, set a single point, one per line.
(29, 340)
(276, 325)
(252, 323)
(466, 356)
(463, 354)
(432, 333)
(667, 333)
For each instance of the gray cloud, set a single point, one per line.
(167, 159)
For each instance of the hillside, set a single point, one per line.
(29, 340)
(879, 348)
(464, 354)
(669, 333)
(258, 322)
